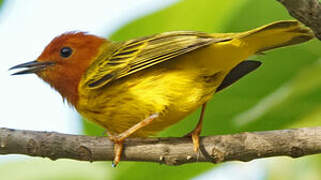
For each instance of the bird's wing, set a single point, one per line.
(138, 54)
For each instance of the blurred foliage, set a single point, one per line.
(45, 169)
(283, 92)
(203, 15)
(1, 3)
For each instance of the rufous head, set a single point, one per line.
(63, 62)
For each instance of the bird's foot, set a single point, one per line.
(195, 135)
(118, 149)
(119, 139)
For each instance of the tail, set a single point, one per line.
(277, 34)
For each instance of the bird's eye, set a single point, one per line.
(65, 52)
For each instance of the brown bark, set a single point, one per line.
(306, 11)
(171, 151)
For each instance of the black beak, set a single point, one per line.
(31, 67)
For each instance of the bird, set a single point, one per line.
(139, 87)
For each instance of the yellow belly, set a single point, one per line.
(173, 89)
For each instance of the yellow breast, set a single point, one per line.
(173, 89)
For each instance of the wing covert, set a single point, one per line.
(134, 55)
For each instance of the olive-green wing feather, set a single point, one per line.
(138, 54)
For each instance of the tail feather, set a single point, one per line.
(277, 34)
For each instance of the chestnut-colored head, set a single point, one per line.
(64, 61)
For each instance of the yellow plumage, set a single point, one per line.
(171, 74)
(141, 86)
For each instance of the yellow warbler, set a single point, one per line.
(141, 86)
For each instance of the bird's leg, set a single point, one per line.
(119, 139)
(195, 134)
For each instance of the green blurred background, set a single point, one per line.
(283, 93)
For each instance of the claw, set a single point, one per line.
(195, 134)
(113, 164)
(196, 142)
(118, 149)
(195, 138)
(119, 139)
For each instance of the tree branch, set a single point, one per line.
(306, 11)
(172, 151)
